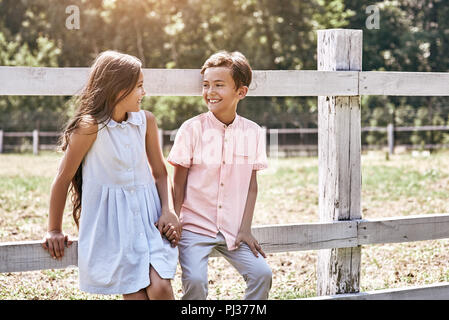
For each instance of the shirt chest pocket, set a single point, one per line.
(240, 157)
(244, 150)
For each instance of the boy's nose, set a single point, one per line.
(210, 89)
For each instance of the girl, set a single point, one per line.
(121, 208)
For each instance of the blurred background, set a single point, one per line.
(273, 35)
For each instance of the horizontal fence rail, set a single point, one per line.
(439, 291)
(29, 255)
(44, 81)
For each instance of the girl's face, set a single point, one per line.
(131, 103)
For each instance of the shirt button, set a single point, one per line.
(130, 169)
(132, 190)
(221, 184)
(219, 207)
(223, 162)
(127, 146)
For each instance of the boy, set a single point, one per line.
(216, 156)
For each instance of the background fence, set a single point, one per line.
(342, 231)
(288, 142)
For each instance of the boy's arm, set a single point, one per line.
(180, 180)
(245, 234)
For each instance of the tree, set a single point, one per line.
(30, 112)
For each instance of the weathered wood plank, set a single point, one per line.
(29, 256)
(178, 82)
(339, 158)
(438, 291)
(404, 83)
(303, 83)
(45, 81)
(37, 81)
(400, 229)
(309, 236)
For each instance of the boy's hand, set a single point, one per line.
(253, 244)
(54, 242)
(169, 226)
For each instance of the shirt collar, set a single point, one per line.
(217, 123)
(134, 118)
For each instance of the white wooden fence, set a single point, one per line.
(338, 236)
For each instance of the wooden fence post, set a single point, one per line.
(390, 134)
(35, 142)
(264, 136)
(339, 158)
(273, 151)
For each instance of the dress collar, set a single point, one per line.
(220, 124)
(134, 118)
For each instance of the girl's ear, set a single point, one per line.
(242, 92)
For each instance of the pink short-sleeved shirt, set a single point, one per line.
(220, 159)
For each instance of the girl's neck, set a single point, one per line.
(119, 117)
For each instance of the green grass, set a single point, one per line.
(288, 193)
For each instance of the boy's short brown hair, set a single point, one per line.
(240, 69)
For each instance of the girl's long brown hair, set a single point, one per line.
(112, 73)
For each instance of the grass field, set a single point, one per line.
(288, 193)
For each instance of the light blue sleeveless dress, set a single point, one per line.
(120, 204)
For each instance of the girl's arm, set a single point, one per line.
(80, 142)
(168, 223)
(245, 234)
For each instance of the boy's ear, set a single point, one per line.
(242, 92)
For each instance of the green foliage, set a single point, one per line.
(27, 113)
(171, 112)
(276, 35)
(411, 37)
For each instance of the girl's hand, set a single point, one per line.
(169, 226)
(54, 242)
(252, 243)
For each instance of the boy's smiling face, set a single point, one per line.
(220, 94)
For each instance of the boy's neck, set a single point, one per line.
(226, 119)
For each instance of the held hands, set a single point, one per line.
(252, 243)
(54, 242)
(169, 226)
